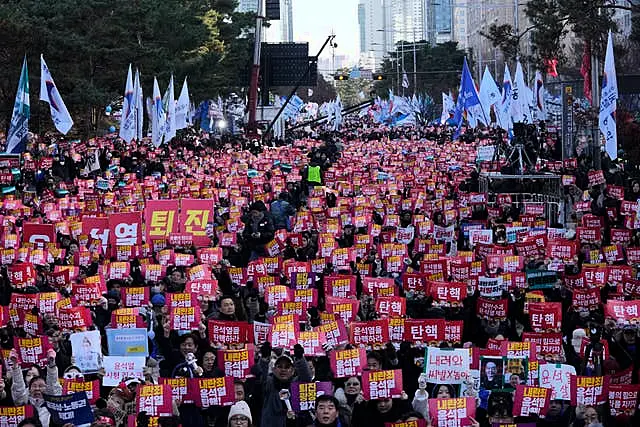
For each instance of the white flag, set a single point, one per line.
(49, 93)
(158, 116)
(503, 112)
(405, 80)
(183, 118)
(608, 100)
(137, 89)
(520, 112)
(541, 109)
(127, 121)
(447, 106)
(489, 92)
(169, 103)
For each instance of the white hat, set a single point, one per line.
(240, 408)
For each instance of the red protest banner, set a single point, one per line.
(391, 306)
(335, 332)
(518, 350)
(340, 286)
(160, 219)
(11, 416)
(530, 401)
(589, 390)
(32, 351)
(123, 318)
(312, 342)
(155, 400)
(414, 282)
(548, 344)
(586, 300)
(348, 363)
(424, 331)
(545, 316)
(283, 334)
(214, 391)
(180, 299)
(453, 331)
(623, 312)
(195, 215)
(125, 229)
(210, 256)
(74, 318)
(185, 318)
(382, 384)
(134, 297)
(492, 309)
(623, 399)
(180, 389)
(370, 334)
(204, 287)
(346, 308)
(222, 332)
(448, 294)
(236, 363)
(92, 388)
(371, 284)
(452, 412)
(38, 234)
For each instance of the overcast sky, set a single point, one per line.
(314, 20)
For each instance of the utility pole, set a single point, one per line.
(255, 72)
(415, 74)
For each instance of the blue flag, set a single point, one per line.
(468, 99)
(19, 129)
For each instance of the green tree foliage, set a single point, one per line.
(354, 90)
(438, 68)
(89, 44)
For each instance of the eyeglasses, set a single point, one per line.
(239, 419)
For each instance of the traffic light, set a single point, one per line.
(379, 77)
(341, 77)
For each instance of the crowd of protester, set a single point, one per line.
(387, 226)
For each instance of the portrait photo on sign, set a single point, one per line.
(86, 351)
(515, 372)
(491, 369)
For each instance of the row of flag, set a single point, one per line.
(168, 115)
(19, 127)
(517, 103)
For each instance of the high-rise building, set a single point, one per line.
(622, 18)
(459, 27)
(286, 20)
(247, 6)
(281, 30)
(480, 15)
(405, 20)
(443, 20)
(370, 22)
